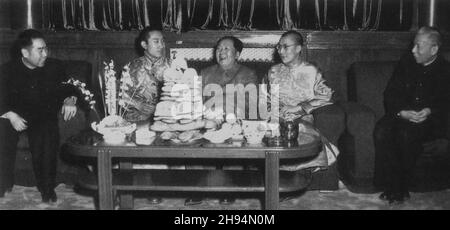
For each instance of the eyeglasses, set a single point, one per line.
(279, 47)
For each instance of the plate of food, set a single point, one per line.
(182, 138)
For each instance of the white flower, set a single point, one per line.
(81, 86)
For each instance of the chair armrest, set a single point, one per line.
(330, 120)
(358, 144)
(72, 126)
(360, 118)
(93, 115)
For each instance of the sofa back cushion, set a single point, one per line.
(367, 82)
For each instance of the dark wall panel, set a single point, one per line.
(333, 52)
(5, 8)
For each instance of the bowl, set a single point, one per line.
(113, 135)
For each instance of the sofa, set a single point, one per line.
(366, 84)
(330, 120)
(66, 173)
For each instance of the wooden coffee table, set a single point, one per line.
(270, 180)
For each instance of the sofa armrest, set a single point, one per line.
(358, 144)
(330, 120)
(360, 118)
(72, 126)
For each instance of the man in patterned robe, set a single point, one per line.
(146, 72)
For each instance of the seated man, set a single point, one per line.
(34, 95)
(416, 100)
(8, 143)
(301, 89)
(146, 73)
(301, 86)
(227, 71)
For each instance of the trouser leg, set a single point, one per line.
(50, 155)
(43, 140)
(35, 143)
(410, 138)
(394, 169)
(384, 150)
(8, 147)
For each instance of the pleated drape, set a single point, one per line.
(184, 15)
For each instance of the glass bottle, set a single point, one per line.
(290, 133)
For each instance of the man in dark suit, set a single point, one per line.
(32, 95)
(417, 100)
(227, 72)
(7, 149)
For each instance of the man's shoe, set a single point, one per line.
(286, 198)
(385, 196)
(406, 195)
(3, 191)
(45, 198)
(53, 197)
(49, 196)
(192, 201)
(227, 201)
(396, 199)
(154, 200)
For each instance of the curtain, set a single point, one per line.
(185, 15)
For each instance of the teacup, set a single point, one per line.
(114, 138)
(145, 136)
(254, 130)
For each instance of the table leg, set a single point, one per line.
(105, 190)
(272, 180)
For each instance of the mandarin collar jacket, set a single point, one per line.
(35, 94)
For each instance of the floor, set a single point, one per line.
(28, 198)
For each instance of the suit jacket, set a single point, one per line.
(36, 95)
(239, 74)
(415, 87)
(3, 94)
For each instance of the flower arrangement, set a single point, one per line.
(126, 96)
(114, 127)
(87, 95)
(117, 98)
(111, 88)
